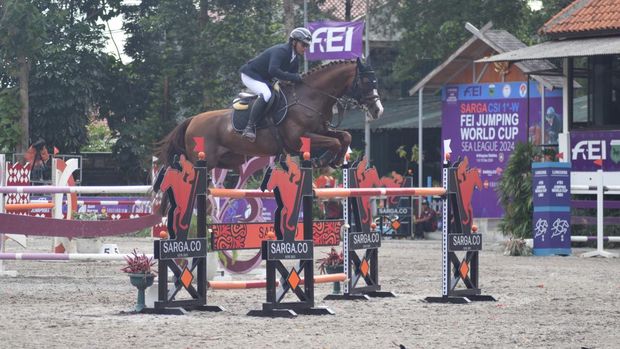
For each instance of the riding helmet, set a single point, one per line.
(301, 34)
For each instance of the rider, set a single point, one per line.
(279, 61)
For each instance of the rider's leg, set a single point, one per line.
(264, 94)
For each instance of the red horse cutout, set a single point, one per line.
(183, 184)
(467, 179)
(366, 178)
(369, 178)
(289, 184)
(396, 181)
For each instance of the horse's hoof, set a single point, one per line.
(336, 164)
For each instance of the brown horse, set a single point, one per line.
(310, 106)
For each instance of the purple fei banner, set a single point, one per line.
(600, 146)
(335, 40)
(484, 122)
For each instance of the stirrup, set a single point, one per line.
(249, 133)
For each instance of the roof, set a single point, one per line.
(561, 49)
(585, 18)
(474, 48)
(398, 113)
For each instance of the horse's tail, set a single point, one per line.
(173, 144)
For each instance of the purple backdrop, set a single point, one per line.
(589, 146)
(484, 122)
(335, 40)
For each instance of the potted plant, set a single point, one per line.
(332, 263)
(141, 274)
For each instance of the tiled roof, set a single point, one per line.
(584, 17)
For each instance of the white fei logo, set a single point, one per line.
(592, 149)
(332, 39)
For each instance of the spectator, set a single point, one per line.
(426, 222)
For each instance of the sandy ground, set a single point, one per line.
(550, 302)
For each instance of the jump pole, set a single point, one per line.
(34, 256)
(234, 285)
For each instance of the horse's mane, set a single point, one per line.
(320, 68)
(314, 71)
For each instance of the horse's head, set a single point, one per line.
(365, 90)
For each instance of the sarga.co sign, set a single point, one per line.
(591, 147)
(335, 40)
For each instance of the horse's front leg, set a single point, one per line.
(332, 145)
(344, 138)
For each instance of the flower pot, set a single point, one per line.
(141, 281)
(335, 269)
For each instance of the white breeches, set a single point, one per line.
(256, 86)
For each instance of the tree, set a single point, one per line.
(186, 56)
(21, 37)
(60, 82)
(432, 29)
(515, 192)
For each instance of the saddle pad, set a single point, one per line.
(277, 113)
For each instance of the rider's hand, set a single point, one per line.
(298, 78)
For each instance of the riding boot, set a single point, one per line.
(255, 114)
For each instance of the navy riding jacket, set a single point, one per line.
(274, 62)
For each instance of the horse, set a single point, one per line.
(310, 104)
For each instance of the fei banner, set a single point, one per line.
(594, 150)
(484, 122)
(335, 40)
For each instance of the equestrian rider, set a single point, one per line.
(277, 62)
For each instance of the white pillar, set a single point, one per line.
(420, 135)
(600, 196)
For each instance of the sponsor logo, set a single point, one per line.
(522, 90)
(332, 39)
(506, 91)
(592, 149)
(472, 91)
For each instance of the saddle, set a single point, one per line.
(276, 109)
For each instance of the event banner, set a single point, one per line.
(484, 122)
(335, 40)
(594, 150)
(552, 201)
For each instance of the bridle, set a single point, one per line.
(353, 97)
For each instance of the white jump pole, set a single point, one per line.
(600, 187)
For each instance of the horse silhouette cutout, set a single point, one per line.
(182, 183)
(467, 179)
(289, 185)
